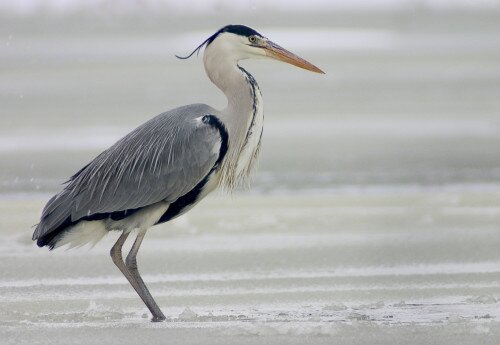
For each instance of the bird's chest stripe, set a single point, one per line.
(253, 137)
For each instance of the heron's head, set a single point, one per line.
(240, 42)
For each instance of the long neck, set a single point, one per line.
(240, 89)
(234, 83)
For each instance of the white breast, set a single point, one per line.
(244, 119)
(250, 151)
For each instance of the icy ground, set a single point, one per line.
(423, 267)
(374, 217)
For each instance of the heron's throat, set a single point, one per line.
(243, 118)
(231, 80)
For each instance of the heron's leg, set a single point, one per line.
(116, 256)
(142, 290)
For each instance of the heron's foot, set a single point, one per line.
(158, 318)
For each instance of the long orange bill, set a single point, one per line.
(280, 53)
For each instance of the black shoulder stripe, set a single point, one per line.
(191, 197)
(215, 122)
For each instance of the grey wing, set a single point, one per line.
(161, 160)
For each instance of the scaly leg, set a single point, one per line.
(116, 256)
(142, 290)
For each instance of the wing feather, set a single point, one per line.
(163, 159)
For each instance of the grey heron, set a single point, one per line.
(164, 167)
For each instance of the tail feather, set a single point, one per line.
(51, 238)
(57, 228)
(56, 216)
(82, 233)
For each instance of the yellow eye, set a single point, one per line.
(252, 39)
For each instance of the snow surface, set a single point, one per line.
(281, 275)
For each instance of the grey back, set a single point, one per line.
(162, 159)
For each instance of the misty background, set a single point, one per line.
(410, 98)
(373, 218)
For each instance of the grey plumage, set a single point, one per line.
(164, 167)
(161, 160)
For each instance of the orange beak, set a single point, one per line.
(279, 53)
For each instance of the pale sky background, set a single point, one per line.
(27, 7)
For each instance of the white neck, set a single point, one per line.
(223, 70)
(225, 73)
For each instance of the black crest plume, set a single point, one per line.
(241, 30)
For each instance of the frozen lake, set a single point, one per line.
(420, 265)
(374, 217)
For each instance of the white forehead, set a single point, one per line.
(232, 45)
(231, 38)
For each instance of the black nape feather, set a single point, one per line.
(241, 30)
